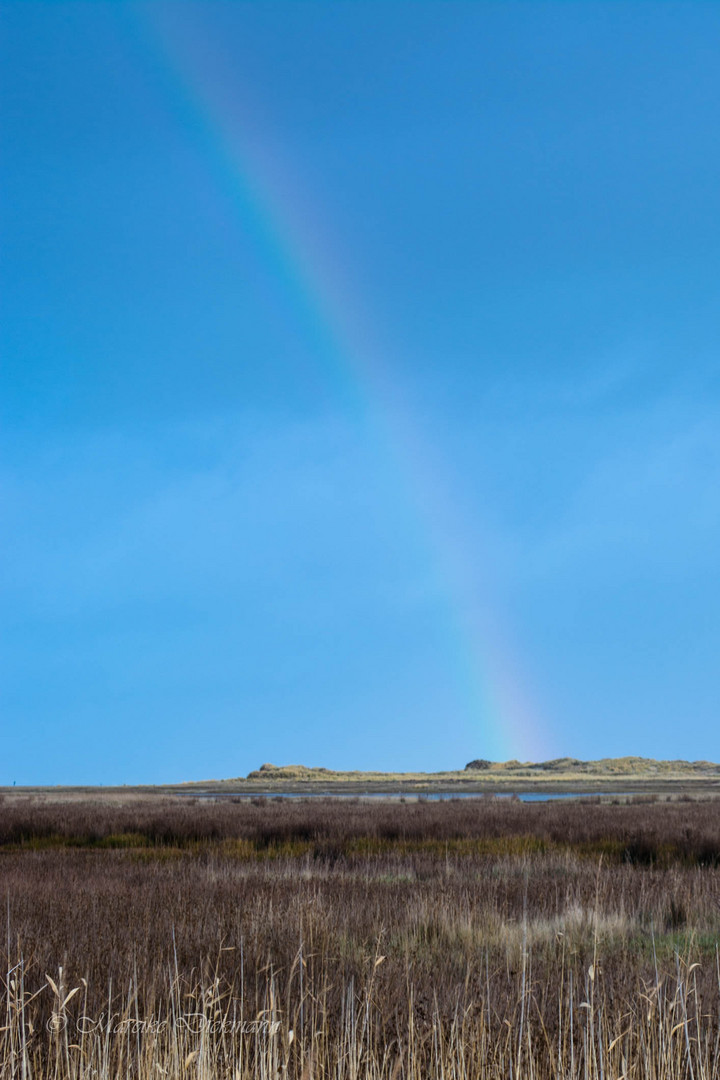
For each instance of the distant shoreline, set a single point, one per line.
(562, 776)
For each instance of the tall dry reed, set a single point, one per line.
(354, 940)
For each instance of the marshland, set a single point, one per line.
(149, 936)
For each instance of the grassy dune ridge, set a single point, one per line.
(635, 766)
(618, 775)
(556, 770)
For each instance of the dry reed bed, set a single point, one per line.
(360, 941)
(642, 829)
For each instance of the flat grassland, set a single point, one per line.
(474, 938)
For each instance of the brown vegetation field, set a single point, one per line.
(350, 939)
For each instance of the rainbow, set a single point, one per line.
(288, 231)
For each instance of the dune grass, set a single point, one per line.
(556, 771)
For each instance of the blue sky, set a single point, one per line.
(360, 386)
